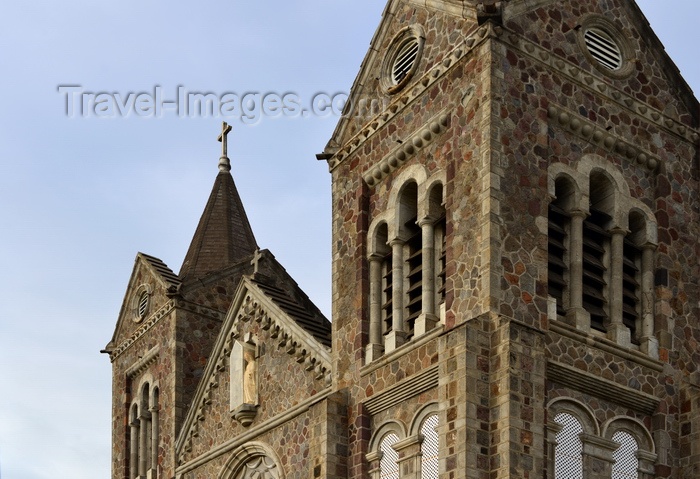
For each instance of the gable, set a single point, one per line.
(147, 293)
(646, 73)
(290, 365)
(441, 27)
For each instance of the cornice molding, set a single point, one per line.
(589, 131)
(604, 344)
(408, 388)
(595, 386)
(150, 321)
(250, 435)
(191, 307)
(142, 364)
(143, 329)
(408, 148)
(402, 101)
(288, 334)
(582, 78)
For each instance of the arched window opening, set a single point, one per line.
(557, 242)
(568, 458)
(430, 448)
(626, 465)
(389, 462)
(596, 244)
(632, 275)
(441, 260)
(413, 257)
(145, 432)
(436, 212)
(386, 274)
(407, 265)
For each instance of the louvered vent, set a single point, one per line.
(405, 60)
(414, 268)
(387, 293)
(595, 244)
(441, 241)
(143, 305)
(557, 270)
(603, 48)
(631, 276)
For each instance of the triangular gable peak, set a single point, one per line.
(441, 27)
(147, 293)
(646, 81)
(279, 315)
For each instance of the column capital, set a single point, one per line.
(649, 246)
(426, 221)
(375, 257)
(618, 230)
(374, 456)
(578, 213)
(396, 242)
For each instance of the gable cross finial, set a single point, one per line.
(256, 260)
(224, 162)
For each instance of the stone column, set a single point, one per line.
(553, 429)
(617, 331)
(576, 315)
(374, 459)
(409, 456)
(650, 344)
(427, 319)
(597, 456)
(143, 444)
(646, 464)
(397, 336)
(374, 348)
(154, 442)
(134, 449)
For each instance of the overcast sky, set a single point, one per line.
(82, 195)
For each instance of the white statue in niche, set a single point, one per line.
(243, 379)
(250, 386)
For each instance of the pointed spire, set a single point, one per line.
(224, 236)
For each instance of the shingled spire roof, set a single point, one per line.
(224, 236)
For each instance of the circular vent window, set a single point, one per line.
(402, 60)
(405, 61)
(606, 47)
(603, 48)
(143, 304)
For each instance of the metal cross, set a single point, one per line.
(223, 138)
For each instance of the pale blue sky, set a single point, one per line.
(80, 196)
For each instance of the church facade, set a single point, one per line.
(515, 274)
